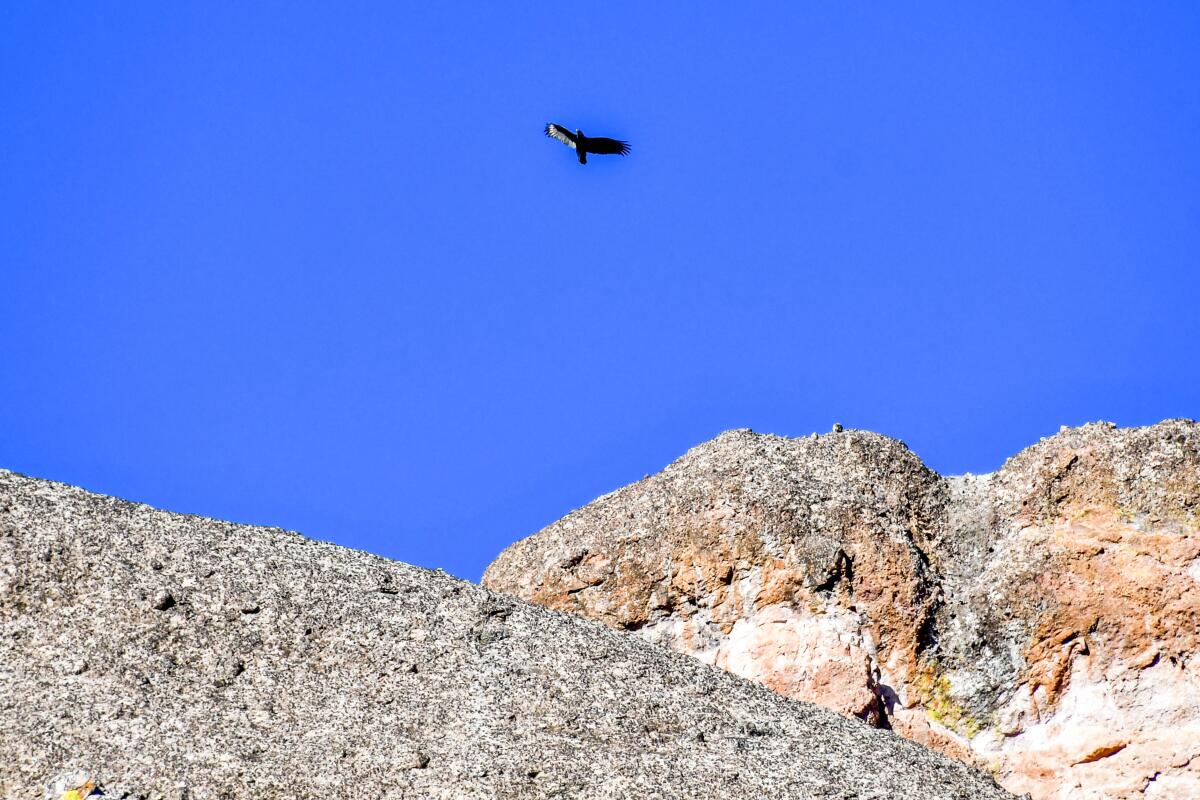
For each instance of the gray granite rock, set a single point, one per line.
(186, 657)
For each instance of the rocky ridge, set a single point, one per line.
(1042, 621)
(173, 656)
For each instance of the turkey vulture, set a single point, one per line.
(583, 145)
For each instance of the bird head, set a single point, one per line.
(578, 132)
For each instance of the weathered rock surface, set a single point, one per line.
(1042, 621)
(176, 656)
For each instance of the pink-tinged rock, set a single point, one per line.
(1042, 621)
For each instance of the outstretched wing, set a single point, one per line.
(562, 134)
(607, 147)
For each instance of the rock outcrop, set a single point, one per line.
(172, 656)
(1042, 621)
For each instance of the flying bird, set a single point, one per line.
(600, 145)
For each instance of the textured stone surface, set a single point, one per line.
(1042, 621)
(176, 656)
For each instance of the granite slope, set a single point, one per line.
(175, 656)
(1042, 621)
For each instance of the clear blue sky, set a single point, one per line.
(315, 265)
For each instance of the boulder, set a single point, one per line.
(165, 656)
(1042, 621)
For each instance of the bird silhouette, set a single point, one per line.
(599, 145)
